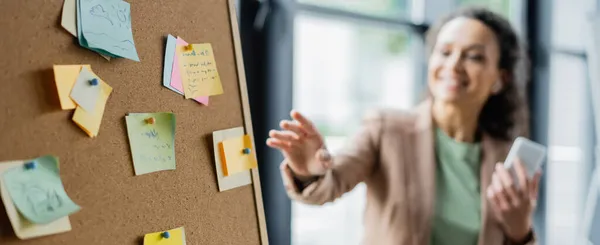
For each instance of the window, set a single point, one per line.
(381, 8)
(501, 6)
(341, 70)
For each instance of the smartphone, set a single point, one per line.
(530, 153)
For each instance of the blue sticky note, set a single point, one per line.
(38, 193)
(168, 69)
(105, 27)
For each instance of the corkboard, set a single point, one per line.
(118, 207)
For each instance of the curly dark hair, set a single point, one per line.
(504, 115)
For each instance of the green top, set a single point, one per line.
(457, 217)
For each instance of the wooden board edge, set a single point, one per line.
(235, 31)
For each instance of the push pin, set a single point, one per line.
(166, 235)
(94, 82)
(30, 165)
(150, 120)
(246, 151)
(189, 47)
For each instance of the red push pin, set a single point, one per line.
(150, 120)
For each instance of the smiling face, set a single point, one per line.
(463, 66)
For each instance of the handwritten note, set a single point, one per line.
(105, 27)
(38, 193)
(65, 77)
(233, 156)
(22, 227)
(176, 74)
(152, 145)
(90, 122)
(83, 93)
(176, 237)
(199, 71)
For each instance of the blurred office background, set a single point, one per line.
(335, 59)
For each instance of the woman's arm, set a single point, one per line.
(350, 166)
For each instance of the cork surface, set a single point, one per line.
(118, 208)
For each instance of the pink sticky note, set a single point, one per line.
(176, 75)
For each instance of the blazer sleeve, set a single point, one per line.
(352, 165)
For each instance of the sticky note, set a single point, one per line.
(233, 156)
(199, 73)
(105, 27)
(176, 237)
(176, 75)
(235, 180)
(38, 193)
(90, 121)
(65, 77)
(23, 228)
(69, 17)
(83, 93)
(152, 145)
(168, 69)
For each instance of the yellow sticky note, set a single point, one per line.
(175, 237)
(65, 77)
(198, 70)
(237, 155)
(90, 121)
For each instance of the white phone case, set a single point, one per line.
(530, 153)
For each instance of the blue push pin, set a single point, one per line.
(30, 165)
(166, 235)
(94, 82)
(246, 151)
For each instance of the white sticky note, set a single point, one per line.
(83, 93)
(69, 17)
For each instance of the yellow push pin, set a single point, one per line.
(189, 47)
(150, 120)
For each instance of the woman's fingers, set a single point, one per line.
(294, 127)
(284, 135)
(499, 194)
(534, 185)
(508, 185)
(279, 144)
(522, 176)
(303, 121)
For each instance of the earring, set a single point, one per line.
(497, 87)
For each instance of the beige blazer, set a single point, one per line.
(394, 155)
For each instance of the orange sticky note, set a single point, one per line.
(234, 157)
(175, 237)
(65, 77)
(90, 121)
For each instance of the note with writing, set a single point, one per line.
(65, 77)
(198, 68)
(105, 27)
(174, 237)
(237, 155)
(38, 192)
(152, 141)
(23, 228)
(84, 93)
(176, 74)
(89, 121)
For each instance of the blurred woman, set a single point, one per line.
(434, 174)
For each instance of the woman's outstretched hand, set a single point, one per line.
(302, 146)
(513, 205)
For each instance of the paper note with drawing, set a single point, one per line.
(168, 67)
(90, 122)
(176, 74)
(105, 27)
(198, 70)
(22, 227)
(176, 237)
(152, 141)
(237, 155)
(83, 92)
(65, 77)
(38, 192)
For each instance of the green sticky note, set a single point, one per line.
(152, 141)
(38, 192)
